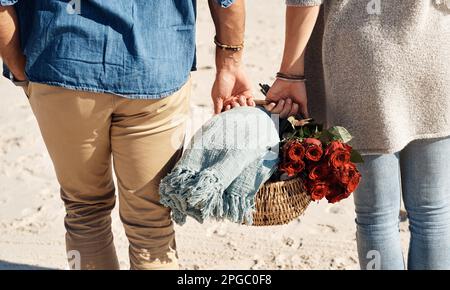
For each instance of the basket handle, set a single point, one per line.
(264, 89)
(261, 102)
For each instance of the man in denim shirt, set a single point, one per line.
(111, 79)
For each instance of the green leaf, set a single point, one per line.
(288, 135)
(301, 133)
(356, 157)
(307, 132)
(325, 137)
(341, 134)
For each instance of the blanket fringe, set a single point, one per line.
(198, 193)
(207, 195)
(239, 209)
(201, 195)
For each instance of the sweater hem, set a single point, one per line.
(401, 147)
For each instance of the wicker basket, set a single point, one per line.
(280, 202)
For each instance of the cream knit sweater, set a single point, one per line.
(382, 71)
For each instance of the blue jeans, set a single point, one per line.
(421, 174)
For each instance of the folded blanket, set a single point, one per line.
(227, 161)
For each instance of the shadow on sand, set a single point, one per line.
(4, 265)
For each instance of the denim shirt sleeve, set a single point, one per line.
(223, 3)
(304, 2)
(7, 2)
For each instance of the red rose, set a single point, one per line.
(314, 153)
(333, 146)
(314, 149)
(339, 158)
(319, 190)
(292, 168)
(354, 182)
(346, 173)
(348, 147)
(336, 194)
(287, 168)
(312, 141)
(295, 151)
(314, 173)
(319, 172)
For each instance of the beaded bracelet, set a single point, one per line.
(228, 47)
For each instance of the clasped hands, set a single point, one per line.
(232, 89)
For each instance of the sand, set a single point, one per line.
(31, 212)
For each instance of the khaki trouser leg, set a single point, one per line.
(81, 131)
(76, 130)
(146, 138)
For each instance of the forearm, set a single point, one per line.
(230, 29)
(300, 22)
(10, 49)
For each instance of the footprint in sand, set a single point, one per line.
(297, 262)
(47, 192)
(259, 263)
(289, 241)
(30, 222)
(281, 261)
(338, 263)
(329, 228)
(219, 230)
(13, 142)
(335, 209)
(232, 245)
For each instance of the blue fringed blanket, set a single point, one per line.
(227, 161)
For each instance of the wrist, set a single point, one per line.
(290, 77)
(228, 60)
(293, 68)
(293, 71)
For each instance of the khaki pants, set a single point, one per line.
(82, 131)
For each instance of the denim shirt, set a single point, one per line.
(135, 48)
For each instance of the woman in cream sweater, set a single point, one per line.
(381, 68)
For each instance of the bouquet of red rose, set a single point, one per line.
(321, 158)
(314, 164)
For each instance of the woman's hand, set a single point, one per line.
(16, 64)
(288, 98)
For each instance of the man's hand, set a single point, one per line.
(231, 88)
(16, 64)
(288, 98)
(10, 49)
